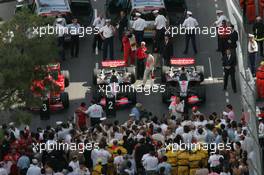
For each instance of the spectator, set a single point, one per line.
(258, 31)
(23, 163)
(150, 163)
(224, 32)
(34, 169)
(3, 170)
(164, 164)
(232, 40)
(253, 51)
(80, 117)
(214, 161)
(74, 29)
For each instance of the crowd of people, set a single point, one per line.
(142, 145)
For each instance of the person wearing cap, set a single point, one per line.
(149, 69)
(160, 24)
(190, 24)
(98, 23)
(258, 31)
(253, 51)
(141, 56)
(107, 34)
(60, 31)
(95, 112)
(229, 65)
(80, 117)
(218, 23)
(139, 26)
(167, 50)
(74, 29)
(34, 169)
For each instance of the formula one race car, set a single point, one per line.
(114, 79)
(183, 80)
(49, 85)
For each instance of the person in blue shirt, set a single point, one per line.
(136, 111)
(166, 166)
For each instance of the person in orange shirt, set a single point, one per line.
(141, 56)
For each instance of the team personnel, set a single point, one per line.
(223, 32)
(107, 35)
(160, 24)
(139, 26)
(61, 30)
(74, 31)
(98, 23)
(122, 26)
(253, 51)
(190, 24)
(258, 30)
(150, 63)
(232, 39)
(229, 63)
(141, 56)
(80, 117)
(95, 112)
(220, 17)
(168, 50)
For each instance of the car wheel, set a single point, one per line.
(65, 100)
(164, 69)
(66, 75)
(132, 70)
(201, 92)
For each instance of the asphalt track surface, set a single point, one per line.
(81, 69)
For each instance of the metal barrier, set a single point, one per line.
(247, 82)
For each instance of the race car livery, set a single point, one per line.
(49, 85)
(183, 80)
(114, 79)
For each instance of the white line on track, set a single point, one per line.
(226, 94)
(95, 16)
(227, 101)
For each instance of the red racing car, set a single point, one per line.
(49, 85)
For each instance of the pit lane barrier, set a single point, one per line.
(247, 82)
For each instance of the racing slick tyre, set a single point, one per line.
(132, 96)
(164, 69)
(65, 100)
(201, 93)
(132, 70)
(66, 75)
(200, 69)
(167, 94)
(95, 73)
(96, 94)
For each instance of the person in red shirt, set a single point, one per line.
(129, 47)
(224, 32)
(80, 117)
(141, 55)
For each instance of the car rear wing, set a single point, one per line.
(182, 61)
(113, 63)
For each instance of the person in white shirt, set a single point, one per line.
(3, 171)
(107, 34)
(261, 127)
(95, 112)
(150, 63)
(150, 162)
(176, 108)
(34, 169)
(118, 160)
(98, 23)
(214, 160)
(253, 52)
(74, 29)
(218, 23)
(190, 24)
(160, 24)
(139, 26)
(100, 155)
(74, 163)
(61, 31)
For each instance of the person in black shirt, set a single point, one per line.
(167, 50)
(229, 63)
(232, 40)
(122, 26)
(258, 30)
